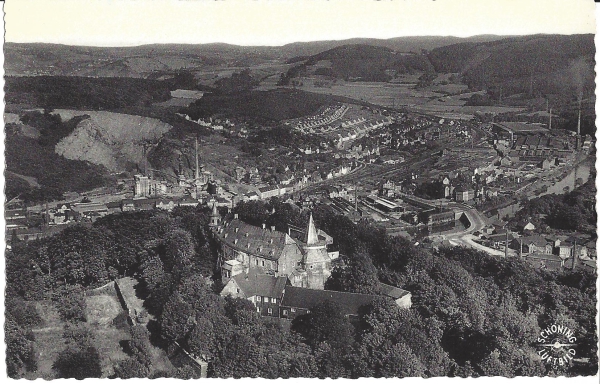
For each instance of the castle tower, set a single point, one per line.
(316, 260)
(215, 217)
(311, 232)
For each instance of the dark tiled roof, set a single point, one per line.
(261, 285)
(254, 240)
(187, 199)
(538, 241)
(305, 298)
(391, 291)
(268, 188)
(113, 204)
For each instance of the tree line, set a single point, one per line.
(472, 314)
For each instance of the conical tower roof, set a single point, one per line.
(311, 232)
(215, 217)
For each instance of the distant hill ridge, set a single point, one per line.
(547, 63)
(139, 61)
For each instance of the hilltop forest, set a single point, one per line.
(472, 314)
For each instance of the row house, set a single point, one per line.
(271, 191)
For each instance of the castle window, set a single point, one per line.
(269, 311)
(293, 310)
(262, 262)
(237, 290)
(285, 312)
(257, 309)
(258, 298)
(236, 230)
(256, 261)
(273, 300)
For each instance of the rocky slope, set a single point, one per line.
(113, 140)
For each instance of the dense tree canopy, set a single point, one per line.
(472, 314)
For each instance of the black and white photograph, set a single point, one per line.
(300, 189)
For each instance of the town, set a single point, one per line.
(407, 207)
(443, 200)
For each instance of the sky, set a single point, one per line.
(277, 22)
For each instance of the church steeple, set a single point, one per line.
(215, 217)
(311, 232)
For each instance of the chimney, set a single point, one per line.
(579, 120)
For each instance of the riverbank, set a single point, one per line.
(581, 168)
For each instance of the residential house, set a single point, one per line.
(534, 244)
(113, 206)
(166, 204)
(144, 204)
(251, 196)
(127, 205)
(264, 291)
(187, 201)
(268, 191)
(462, 194)
(401, 297)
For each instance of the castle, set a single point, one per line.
(283, 276)
(252, 251)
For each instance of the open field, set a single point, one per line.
(174, 102)
(102, 305)
(102, 308)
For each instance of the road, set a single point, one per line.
(465, 237)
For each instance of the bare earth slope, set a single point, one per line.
(110, 139)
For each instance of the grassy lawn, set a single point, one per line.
(48, 340)
(102, 307)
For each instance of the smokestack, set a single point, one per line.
(197, 169)
(550, 123)
(579, 119)
(145, 161)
